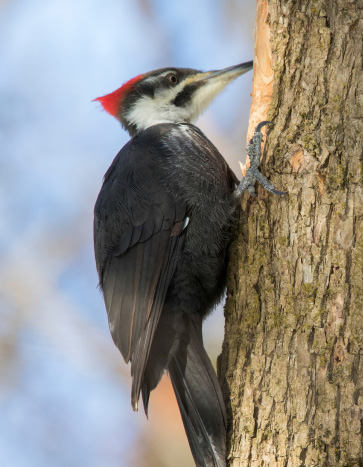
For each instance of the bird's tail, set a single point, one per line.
(199, 398)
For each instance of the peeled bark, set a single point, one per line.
(291, 368)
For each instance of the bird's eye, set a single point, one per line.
(173, 79)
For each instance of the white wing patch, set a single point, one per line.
(186, 222)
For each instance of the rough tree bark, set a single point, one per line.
(292, 362)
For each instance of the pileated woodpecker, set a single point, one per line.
(161, 231)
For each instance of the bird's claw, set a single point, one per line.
(253, 174)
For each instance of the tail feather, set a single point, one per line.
(200, 400)
(178, 348)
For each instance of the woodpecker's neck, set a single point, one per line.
(145, 113)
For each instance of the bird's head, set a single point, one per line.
(169, 95)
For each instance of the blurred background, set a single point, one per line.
(64, 388)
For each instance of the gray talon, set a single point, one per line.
(253, 174)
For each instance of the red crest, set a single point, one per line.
(112, 102)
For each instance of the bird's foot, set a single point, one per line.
(253, 174)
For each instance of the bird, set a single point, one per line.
(162, 227)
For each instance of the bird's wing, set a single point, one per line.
(138, 233)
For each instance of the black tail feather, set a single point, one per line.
(178, 348)
(200, 399)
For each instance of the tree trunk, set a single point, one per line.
(291, 368)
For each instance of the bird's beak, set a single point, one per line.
(225, 75)
(205, 86)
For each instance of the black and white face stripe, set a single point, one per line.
(184, 97)
(165, 74)
(172, 78)
(166, 78)
(173, 95)
(156, 91)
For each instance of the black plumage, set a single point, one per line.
(161, 232)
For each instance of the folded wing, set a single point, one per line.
(139, 232)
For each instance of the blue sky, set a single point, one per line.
(64, 389)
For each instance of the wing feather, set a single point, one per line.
(138, 236)
(142, 351)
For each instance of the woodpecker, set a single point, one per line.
(162, 225)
